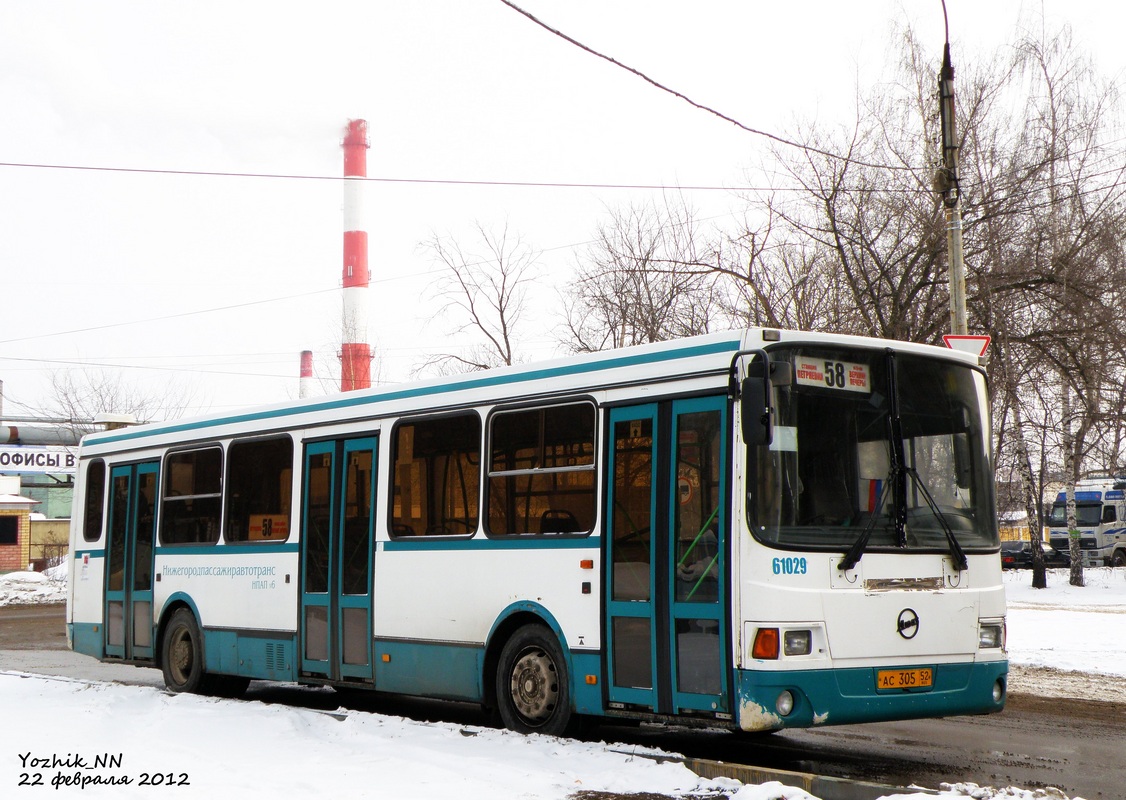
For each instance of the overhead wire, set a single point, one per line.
(652, 81)
(167, 316)
(145, 367)
(383, 179)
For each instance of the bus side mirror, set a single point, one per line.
(755, 395)
(755, 411)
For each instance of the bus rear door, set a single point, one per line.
(129, 562)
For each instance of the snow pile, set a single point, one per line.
(1065, 627)
(78, 737)
(1102, 586)
(1008, 793)
(207, 748)
(30, 588)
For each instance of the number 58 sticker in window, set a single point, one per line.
(829, 374)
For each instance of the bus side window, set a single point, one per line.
(541, 475)
(259, 477)
(95, 505)
(436, 467)
(192, 497)
(1109, 514)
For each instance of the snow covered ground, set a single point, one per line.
(31, 588)
(185, 746)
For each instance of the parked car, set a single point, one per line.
(1017, 554)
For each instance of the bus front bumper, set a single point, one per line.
(772, 700)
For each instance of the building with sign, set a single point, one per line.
(45, 474)
(37, 468)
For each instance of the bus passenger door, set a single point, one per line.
(667, 641)
(129, 562)
(336, 556)
(697, 561)
(632, 515)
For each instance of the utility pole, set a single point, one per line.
(946, 184)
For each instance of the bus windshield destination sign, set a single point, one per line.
(830, 374)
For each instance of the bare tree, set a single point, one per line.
(1047, 195)
(81, 395)
(855, 242)
(485, 291)
(647, 278)
(855, 247)
(777, 278)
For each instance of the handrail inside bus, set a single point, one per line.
(703, 530)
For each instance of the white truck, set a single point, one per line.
(1100, 512)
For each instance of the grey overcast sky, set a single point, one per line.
(219, 282)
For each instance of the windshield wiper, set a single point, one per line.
(956, 551)
(852, 557)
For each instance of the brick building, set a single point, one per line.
(15, 532)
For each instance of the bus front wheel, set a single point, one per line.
(182, 657)
(533, 693)
(1118, 559)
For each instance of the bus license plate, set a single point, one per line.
(904, 678)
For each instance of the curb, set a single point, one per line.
(820, 786)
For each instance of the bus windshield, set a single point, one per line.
(888, 448)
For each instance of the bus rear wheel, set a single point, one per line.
(533, 692)
(182, 656)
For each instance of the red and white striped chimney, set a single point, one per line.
(304, 387)
(355, 354)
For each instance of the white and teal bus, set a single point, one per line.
(758, 529)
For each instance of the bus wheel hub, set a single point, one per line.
(535, 690)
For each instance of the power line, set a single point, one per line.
(656, 187)
(500, 183)
(147, 367)
(378, 179)
(167, 316)
(781, 140)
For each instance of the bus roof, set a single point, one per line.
(706, 357)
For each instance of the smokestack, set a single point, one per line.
(355, 355)
(306, 381)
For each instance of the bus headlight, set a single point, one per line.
(991, 636)
(798, 643)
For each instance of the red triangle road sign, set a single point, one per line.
(968, 344)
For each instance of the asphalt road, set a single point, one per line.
(1075, 744)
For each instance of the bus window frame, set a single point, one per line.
(166, 475)
(225, 511)
(488, 473)
(86, 498)
(392, 472)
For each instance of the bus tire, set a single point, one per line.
(1118, 559)
(533, 691)
(182, 654)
